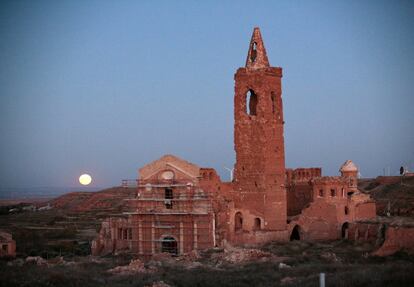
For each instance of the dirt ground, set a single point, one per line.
(53, 249)
(293, 264)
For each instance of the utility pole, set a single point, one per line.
(322, 280)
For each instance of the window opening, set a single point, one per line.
(344, 231)
(251, 98)
(238, 221)
(257, 223)
(169, 245)
(253, 53)
(168, 198)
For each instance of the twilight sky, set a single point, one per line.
(106, 86)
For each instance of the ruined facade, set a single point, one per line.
(171, 212)
(7, 245)
(180, 207)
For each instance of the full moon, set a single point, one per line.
(85, 179)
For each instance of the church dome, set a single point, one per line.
(348, 166)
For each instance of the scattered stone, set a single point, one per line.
(56, 260)
(159, 284)
(36, 260)
(287, 280)
(284, 266)
(161, 258)
(193, 265)
(135, 266)
(94, 259)
(240, 255)
(330, 257)
(17, 262)
(191, 256)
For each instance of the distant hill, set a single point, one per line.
(40, 191)
(107, 199)
(390, 190)
(385, 190)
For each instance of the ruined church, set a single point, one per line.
(180, 207)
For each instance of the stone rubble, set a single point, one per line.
(135, 266)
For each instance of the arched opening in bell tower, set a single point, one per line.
(251, 98)
(253, 53)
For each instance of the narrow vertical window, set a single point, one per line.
(253, 53)
(168, 198)
(257, 224)
(272, 96)
(251, 99)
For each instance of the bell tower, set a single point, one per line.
(259, 176)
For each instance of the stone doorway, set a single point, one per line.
(295, 235)
(169, 245)
(344, 231)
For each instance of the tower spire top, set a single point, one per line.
(256, 57)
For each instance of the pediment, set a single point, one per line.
(167, 165)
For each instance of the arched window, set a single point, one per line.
(257, 223)
(346, 210)
(273, 97)
(169, 245)
(253, 54)
(320, 192)
(251, 98)
(238, 221)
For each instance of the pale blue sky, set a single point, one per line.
(107, 86)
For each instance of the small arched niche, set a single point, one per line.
(238, 221)
(251, 102)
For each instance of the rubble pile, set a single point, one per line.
(241, 255)
(159, 284)
(330, 256)
(36, 260)
(135, 266)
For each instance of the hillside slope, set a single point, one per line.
(392, 192)
(107, 199)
